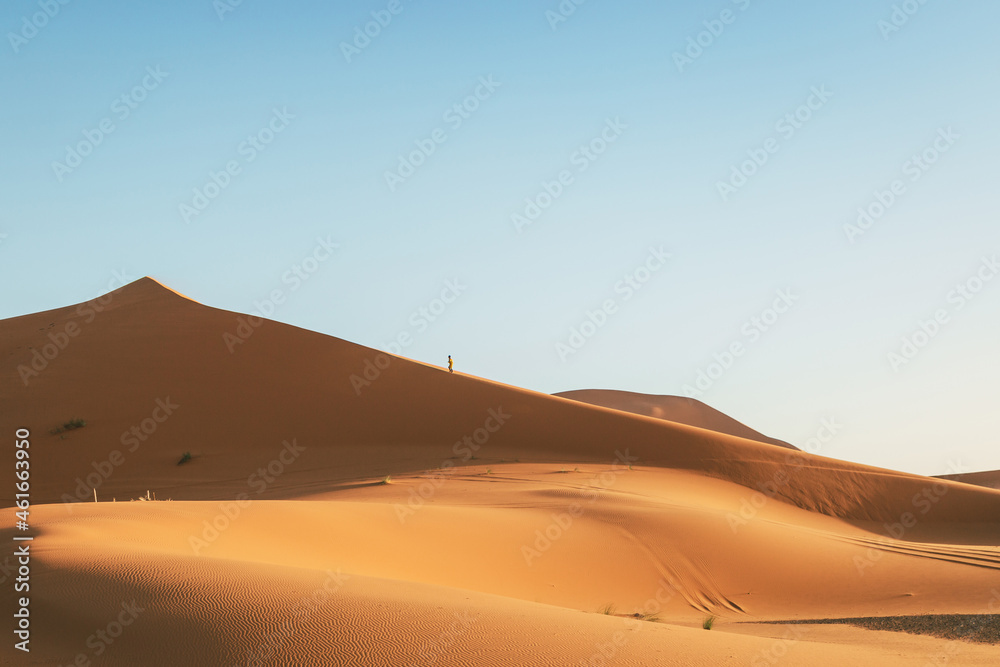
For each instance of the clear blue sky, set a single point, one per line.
(329, 122)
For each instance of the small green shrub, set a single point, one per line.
(74, 423)
(708, 623)
(185, 458)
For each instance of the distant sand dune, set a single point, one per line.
(680, 409)
(989, 479)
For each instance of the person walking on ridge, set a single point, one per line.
(451, 365)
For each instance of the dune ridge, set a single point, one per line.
(989, 479)
(404, 501)
(305, 381)
(680, 409)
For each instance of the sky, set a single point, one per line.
(784, 209)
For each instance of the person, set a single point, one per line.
(451, 365)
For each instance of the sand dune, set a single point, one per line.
(156, 375)
(989, 479)
(680, 409)
(342, 506)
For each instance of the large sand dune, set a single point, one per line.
(343, 506)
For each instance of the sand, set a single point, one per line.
(989, 479)
(680, 409)
(342, 506)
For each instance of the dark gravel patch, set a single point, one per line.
(978, 628)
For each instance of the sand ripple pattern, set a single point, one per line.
(215, 612)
